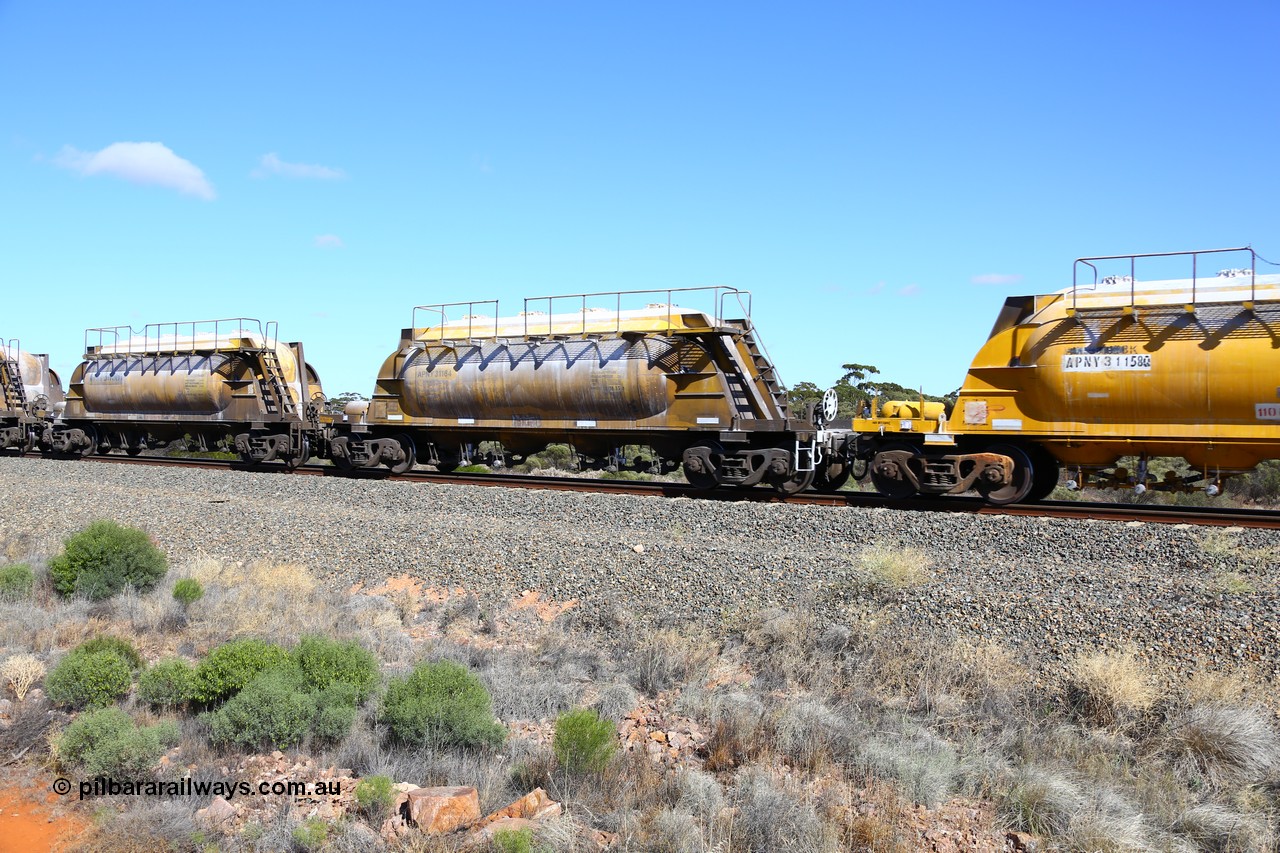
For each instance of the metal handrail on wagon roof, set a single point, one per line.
(470, 316)
(180, 338)
(531, 320)
(1132, 259)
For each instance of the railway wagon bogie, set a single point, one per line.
(908, 449)
(227, 382)
(598, 370)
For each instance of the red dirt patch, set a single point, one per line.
(29, 824)
(546, 609)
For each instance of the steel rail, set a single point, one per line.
(1078, 510)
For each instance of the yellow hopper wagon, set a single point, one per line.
(1114, 366)
(601, 372)
(227, 380)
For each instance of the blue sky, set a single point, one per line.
(880, 176)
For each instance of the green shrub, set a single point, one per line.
(441, 704)
(88, 679)
(556, 456)
(229, 667)
(335, 712)
(106, 742)
(324, 662)
(375, 795)
(16, 582)
(311, 834)
(583, 742)
(167, 684)
(271, 710)
(513, 840)
(1261, 485)
(99, 560)
(626, 475)
(116, 645)
(187, 592)
(332, 722)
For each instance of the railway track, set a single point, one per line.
(1082, 510)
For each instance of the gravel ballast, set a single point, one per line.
(1186, 596)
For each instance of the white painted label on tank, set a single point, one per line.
(708, 420)
(1267, 411)
(1006, 423)
(586, 423)
(466, 420)
(1100, 362)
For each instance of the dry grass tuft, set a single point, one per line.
(674, 831)
(1214, 827)
(796, 649)
(1231, 583)
(1110, 688)
(774, 817)
(1108, 824)
(1226, 544)
(20, 672)
(146, 826)
(923, 765)
(811, 734)
(892, 568)
(1042, 802)
(274, 601)
(737, 736)
(1215, 685)
(669, 658)
(1225, 744)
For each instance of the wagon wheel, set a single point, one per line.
(1044, 476)
(831, 476)
(410, 456)
(706, 479)
(341, 460)
(92, 447)
(246, 455)
(295, 461)
(1022, 482)
(796, 483)
(895, 488)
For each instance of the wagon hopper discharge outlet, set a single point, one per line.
(600, 371)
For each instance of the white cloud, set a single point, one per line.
(996, 278)
(139, 163)
(909, 290)
(329, 241)
(271, 164)
(876, 288)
